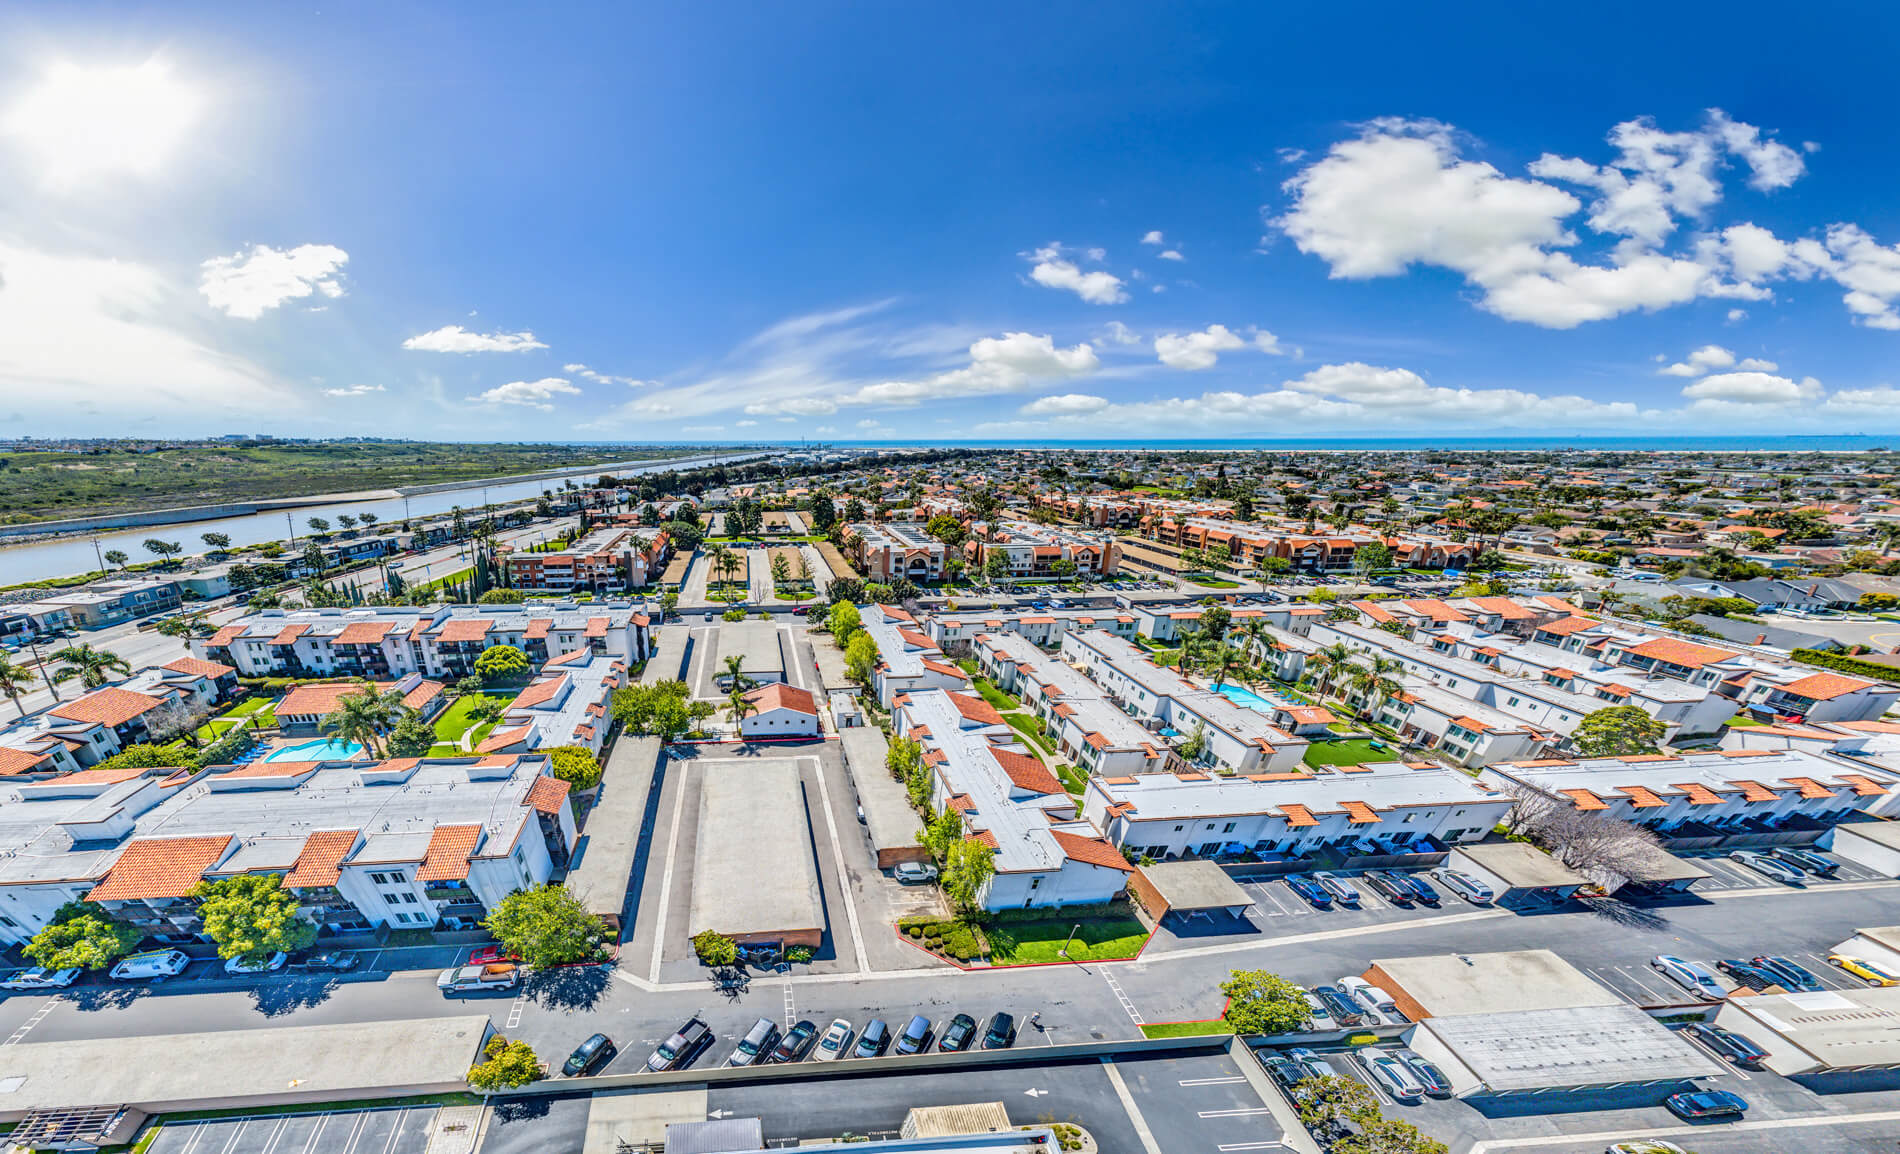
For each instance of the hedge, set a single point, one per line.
(1841, 663)
(226, 749)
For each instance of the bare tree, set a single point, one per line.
(178, 717)
(1607, 849)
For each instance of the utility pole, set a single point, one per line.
(51, 685)
(293, 526)
(98, 554)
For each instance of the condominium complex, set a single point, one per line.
(611, 559)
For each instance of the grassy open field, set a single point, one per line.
(126, 478)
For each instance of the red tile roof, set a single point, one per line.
(1698, 794)
(447, 856)
(1359, 813)
(108, 707)
(548, 794)
(502, 739)
(1297, 815)
(539, 693)
(1863, 786)
(289, 634)
(1755, 791)
(224, 636)
(160, 867)
(1027, 773)
(976, 709)
(1584, 799)
(193, 667)
(1642, 798)
(1683, 653)
(1809, 787)
(320, 862)
(272, 769)
(778, 695)
(18, 761)
(538, 628)
(464, 629)
(1825, 686)
(596, 627)
(1090, 851)
(364, 632)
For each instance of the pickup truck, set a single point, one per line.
(466, 979)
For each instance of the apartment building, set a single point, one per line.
(956, 631)
(610, 559)
(72, 735)
(300, 712)
(1088, 728)
(1703, 795)
(1046, 854)
(1376, 809)
(105, 603)
(908, 660)
(887, 550)
(1033, 550)
(1232, 737)
(1252, 546)
(570, 703)
(409, 843)
(442, 642)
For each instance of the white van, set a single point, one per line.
(1465, 886)
(150, 964)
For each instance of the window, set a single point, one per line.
(393, 899)
(1512, 701)
(1179, 828)
(409, 899)
(1229, 827)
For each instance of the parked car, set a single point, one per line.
(1864, 969)
(1311, 890)
(1418, 884)
(913, 873)
(588, 1057)
(1747, 973)
(683, 1048)
(1281, 1068)
(1694, 1104)
(1429, 1076)
(1367, 994)
(758, 1041)
(483, 955)
(1689, 976)
(239, 965)
(796, 1043)
(1391, 1075)
(1727, 1043)
(838, 1035)
(956, 1036)
(1645, 1146)
(1339, 1006)
(150, 964)
(1000, 1034)
(1342, 890)
(875, 1039)
(1310, 1063)
(1465, 886)
(41, 978)
(1769, 867)
(1787, 973)
(1394, 892)
(333, 961)
(1316, 1010)
(478, 979)
(915, 1037)
(1807, 859)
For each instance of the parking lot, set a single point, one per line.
(1643, 985)
(392, 1131)
(1733, 875)
(1277, 911)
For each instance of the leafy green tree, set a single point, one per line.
(575, 765)
(162, 549)
(996, 564)
(187, 625)
(500, 662)
(411, 736)
(970, 866)
(1374, 556)
(843, 620)
(501, 597)
(947, 529)
(1215, 621)
(81, 934)
(659, 710)
(1388, 1136)
(860, 658)
(216, 542)
(1328, 1100)
(714, 948)
(93, 667)
(1261, 1002)
(15, 681)
(116, 557)
(823, 513)
(944, 831)
(505, 1065)
(252, 916)
(546, 926)
(146, 756)
(1618, 731)
(318, 525)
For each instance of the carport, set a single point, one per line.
(1518, 874)
(895, 830)
(1541, 1052)
(601, 868)
(1188, 889)
(1659, 874)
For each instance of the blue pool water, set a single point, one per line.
(324, 750)
(1245, 697)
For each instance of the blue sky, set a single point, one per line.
(894, 221)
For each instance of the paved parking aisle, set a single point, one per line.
(399, 1130)
(1642, 984)
(1727, 874)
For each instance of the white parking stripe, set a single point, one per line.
(1241, 1113)
(1212, 1081)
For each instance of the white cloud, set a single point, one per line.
(1753, 388)
(1014, 362)
(825, 430)
(1153, 236)
(1169, 254)
(536, 394)
(1756, 363)
(249, 283)
(1195, 351)
(84, 338)
(1120, 334)
(1736, 316)
(796, 406)
(702, 429)
(1064, 405)
(1290, 155)
(870, 423)
(354, 391)
(1870, 272)
(1882, 402)
(1053, 270)
(1771, 163)
(1706, 359)
(587, 374)
(456, 339)
(744, 424)
(1266, 342)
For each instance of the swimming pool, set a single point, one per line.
(324, 750)
(1245, 697)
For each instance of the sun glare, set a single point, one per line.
(82, 123)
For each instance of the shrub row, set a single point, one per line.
(1841, 663)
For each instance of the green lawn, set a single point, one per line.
(1031, 728)
(996, 696)
(455, 720)
(1073, 779)
(1742, 721)
(1347, 753)
(1099, 939)
(1185, 1029)
(263, 707)
(1213, 582)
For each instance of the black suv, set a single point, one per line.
(795, 1044)
(591, 1055)
(683, 1048)
(1001, 1032)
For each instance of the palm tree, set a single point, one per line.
(1225, 660)
(1259, 639)
(740, 705)
(740, 682)
(361, 717)
(718, 556)
(14, 681)
(187, 625)
(92, 667)
(1330, 660)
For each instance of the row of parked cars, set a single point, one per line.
(765, 1044)
(1349, 1002)
(1323, 890)
(1765, 970)
(157, 965)
(1787, 864)
(1404, 1075)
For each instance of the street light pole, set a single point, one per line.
(1064, 951)
(98, 554)
(51, 685)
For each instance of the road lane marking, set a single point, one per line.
(1252, 1146)
(1243, 1112)
(1212, 1081)
(1133, 1111)
(790, 1014)
(514, 1011)
(1318, 936)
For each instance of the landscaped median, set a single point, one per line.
(1031, 937)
